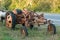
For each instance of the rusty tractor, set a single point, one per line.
(26, 18)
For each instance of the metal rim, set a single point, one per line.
(50, 29)
(9, 21)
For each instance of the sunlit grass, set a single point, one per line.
(37, 33)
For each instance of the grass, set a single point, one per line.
(37, 33)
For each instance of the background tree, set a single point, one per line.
(35, 5)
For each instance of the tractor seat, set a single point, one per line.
(19, 11)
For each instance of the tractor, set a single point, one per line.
(18, 16)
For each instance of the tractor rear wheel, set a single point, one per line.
(10, 20)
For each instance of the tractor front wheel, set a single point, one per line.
(52, 29)
(24, 31)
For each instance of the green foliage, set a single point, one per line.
(35, 5)
(5, 4)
